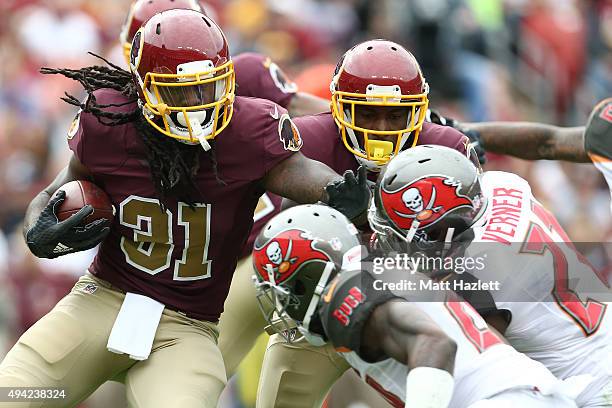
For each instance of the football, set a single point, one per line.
(80, 193)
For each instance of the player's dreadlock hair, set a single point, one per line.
(173, 164)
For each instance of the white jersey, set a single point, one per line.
(605, 167)
(484, 365)
(540, 275)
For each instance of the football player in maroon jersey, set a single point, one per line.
(184, 162)
(379, 102)
(256, 75)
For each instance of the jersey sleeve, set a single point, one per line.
(347, 303)
(434, 134)
(98, 147)
(281, 140)
(257, 76)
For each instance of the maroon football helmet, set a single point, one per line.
(181, 66)
(142, 10)
(378, 73)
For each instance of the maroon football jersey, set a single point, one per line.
(182, 257)
(259, 77)
(322, 142)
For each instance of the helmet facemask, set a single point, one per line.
(287, 306)
(273, 301)
(193, 105)
(441, 238)
(374, 147)
(294, 257)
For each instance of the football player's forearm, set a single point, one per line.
(432, 350)
(34, 209)
(300, 179)
(74, 171)
(408, 335)
(40, 201)
(532, 141)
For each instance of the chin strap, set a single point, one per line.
(204, 143)
(196, 129)
(448, 240)
(412, 231)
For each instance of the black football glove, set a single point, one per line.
(474, 136)
(49, 238)
(350, 195)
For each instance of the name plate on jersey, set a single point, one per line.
(135, 327)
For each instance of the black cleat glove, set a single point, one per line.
(49, 238)
(351, 195)
(475, 141)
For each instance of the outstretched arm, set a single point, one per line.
(304, 180)
(300, 179)
(402, 331)
(532, 141)
(405, 333)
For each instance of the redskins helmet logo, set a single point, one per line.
(286, 253)
(289, 134)
(136, 51)
(427, 200)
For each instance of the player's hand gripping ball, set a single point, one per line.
(77, 217)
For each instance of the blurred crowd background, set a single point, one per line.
(538, 60)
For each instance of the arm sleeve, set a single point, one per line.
(444, 136)
(257, 76)
(98, 147)
(76, 138)
(281, 139)
(347, 303)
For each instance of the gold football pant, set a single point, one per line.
(297, 375)
(67, 349)
(241, 322)
(293, 375)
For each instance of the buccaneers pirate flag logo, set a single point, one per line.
(286, 253)
(427, 200)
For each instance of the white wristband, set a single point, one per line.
(428, 387)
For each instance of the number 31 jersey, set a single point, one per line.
(182, 257)
(557, 300)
